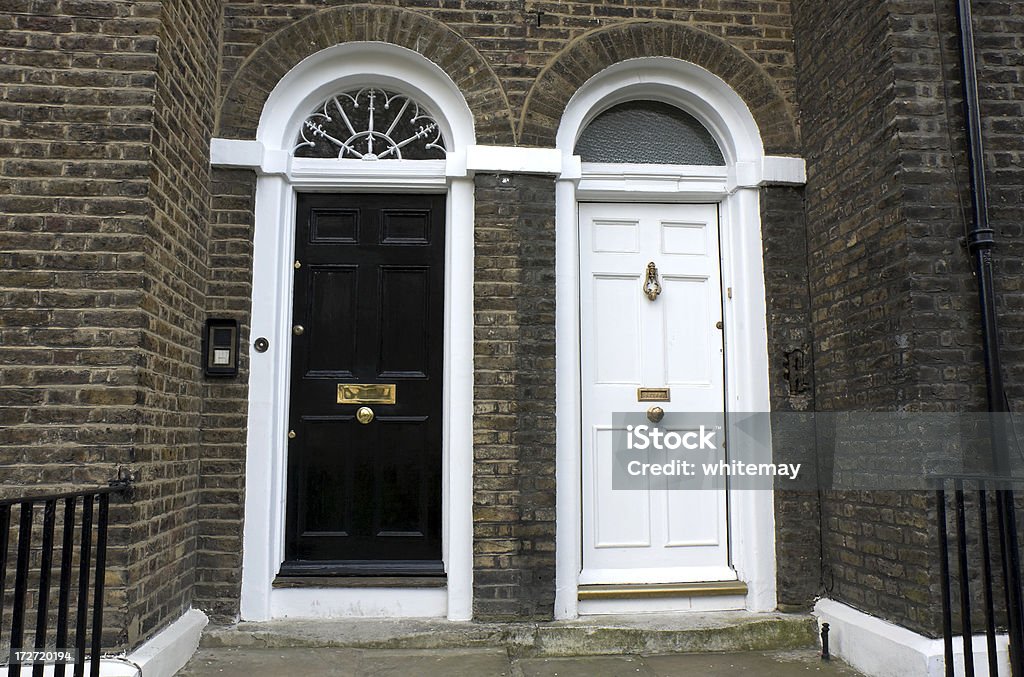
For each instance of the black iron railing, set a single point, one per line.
(56, 619)
(983, 558)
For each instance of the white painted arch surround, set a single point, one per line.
(337, 68)
(279, 175)
(735, 188)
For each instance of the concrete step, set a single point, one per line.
(590, 636)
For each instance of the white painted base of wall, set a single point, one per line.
(597, 607)
(879, 648)
(163, 655)
(359, 603)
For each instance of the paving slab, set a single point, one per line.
(583, 666)
(776, 664)
(443, 663)
(236, 662)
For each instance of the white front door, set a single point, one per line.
(629, 342)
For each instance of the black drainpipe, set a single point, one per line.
(981, 236)
(980, 242)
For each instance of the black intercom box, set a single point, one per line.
(220, 347)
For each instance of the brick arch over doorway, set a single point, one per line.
(592, 52)
(244, 99)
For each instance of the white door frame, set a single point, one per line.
(736, 188)
(280, 175)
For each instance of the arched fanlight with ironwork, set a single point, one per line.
(370, 124)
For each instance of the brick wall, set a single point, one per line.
(112, 256)
(516, 43)
(225, 405)
(998, 30)
(76, 109)
(895, 313)
(875, 555)
(946, 351)
(514, 393)
(106, 115)
(162, 560)
(791, 379)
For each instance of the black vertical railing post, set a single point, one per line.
(63, 597)
(965, 586)
(1006, 514)
(1016, 608)
(947, 606)
(83, 584)
(101, 572)
(45, 567)
(83, 556)
(986, 576)
(5, 529)
(21, 583)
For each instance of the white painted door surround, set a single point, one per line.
(630, 341)
(735, 189)
(280, 175)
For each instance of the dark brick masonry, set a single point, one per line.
(118, 241)
(892, 291)
(106, 115)
(791, 378)
(514, 392)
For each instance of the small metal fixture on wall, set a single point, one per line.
(220, 347)
(795, 371)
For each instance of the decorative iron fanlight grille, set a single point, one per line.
(370, 124)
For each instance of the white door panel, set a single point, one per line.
(629, 341)
(617, 322)
(619, 519)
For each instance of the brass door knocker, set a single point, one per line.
(651, 286)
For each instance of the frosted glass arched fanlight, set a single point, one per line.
(648, 132)
(370, 124)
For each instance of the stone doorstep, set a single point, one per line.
(593, 635)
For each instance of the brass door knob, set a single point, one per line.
(364, 415)
(655, 414)
(298, 330)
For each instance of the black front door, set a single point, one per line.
(364, 496)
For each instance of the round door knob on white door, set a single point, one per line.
(655, 414)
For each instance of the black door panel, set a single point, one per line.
(365, 499)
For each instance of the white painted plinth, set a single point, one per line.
(163, 655)
(879, 648)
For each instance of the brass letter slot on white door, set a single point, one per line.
(366, 393)
(653, 395)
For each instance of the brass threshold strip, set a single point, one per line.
(639, 591)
